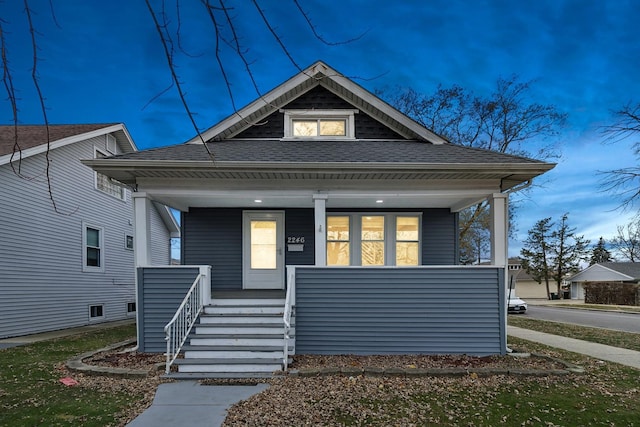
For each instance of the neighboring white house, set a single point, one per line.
(72, 264)
(623, 272)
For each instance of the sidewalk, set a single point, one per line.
(191, 404)
(598, 351)
(30, 339)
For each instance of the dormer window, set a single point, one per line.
(321, 124)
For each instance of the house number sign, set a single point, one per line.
(295, 244)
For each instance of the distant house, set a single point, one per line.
(320, 220)
(75, 266)
(523, 283)
(623, 272)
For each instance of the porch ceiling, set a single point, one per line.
(454, 200)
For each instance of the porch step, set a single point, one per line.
(241, 329)
(246, 365)
(217, 375)
(236, 337)
(244, 310)
(249, 318)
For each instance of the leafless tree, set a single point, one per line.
(506, 121)
(626, 244)
(624, 182)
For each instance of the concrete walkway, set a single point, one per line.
(191, 404)
(44, 336)
(598, 351)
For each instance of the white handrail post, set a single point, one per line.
(288, 308)
(205, 271)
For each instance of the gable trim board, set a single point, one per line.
(124, 140)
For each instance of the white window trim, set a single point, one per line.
(123, 190)
(346, 114)
(355, 235)
(110, 141)
(126, 236)
(96, 318)
(130, 313)
(89, 268)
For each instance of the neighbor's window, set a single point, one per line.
(128, 242)
(96, 311)
(93, 252)
(319, 124)
(338, 245)
(376, 240)
(106, 184)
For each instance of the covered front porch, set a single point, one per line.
(435, 307)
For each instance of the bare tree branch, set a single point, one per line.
(7, 81)
(36, 84)
(318, 36)
(276, 36)
(167, 44)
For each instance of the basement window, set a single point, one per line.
(131, 307)
(319, 124)
(96, 312)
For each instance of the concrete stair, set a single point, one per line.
(236, 338)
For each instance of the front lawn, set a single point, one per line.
(31, 393)
(626, 340)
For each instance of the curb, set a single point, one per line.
(76, 364)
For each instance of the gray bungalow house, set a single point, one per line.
(72, 267)
(318, 220)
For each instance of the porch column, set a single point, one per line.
(320, 213)
(141, 230)
(499, 228)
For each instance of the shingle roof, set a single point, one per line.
(34, 135)
(329, 151)
(631, 269)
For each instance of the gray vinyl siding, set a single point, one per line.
(214, 237)
(433, 310)
(319, 98)
(439, 237)
(160, 292)
(42, 285)
(300, 223)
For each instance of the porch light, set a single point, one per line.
(379, 201)
(257, 201)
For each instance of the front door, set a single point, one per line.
(263, 250)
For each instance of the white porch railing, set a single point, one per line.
(289, 302)
(179, 327)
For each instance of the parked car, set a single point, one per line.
(516, 305)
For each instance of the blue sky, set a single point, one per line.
(104, 63)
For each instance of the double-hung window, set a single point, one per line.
(92, 248)
(375, 239)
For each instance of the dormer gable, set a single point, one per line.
(322, 89)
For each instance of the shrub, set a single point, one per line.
(612, 293)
